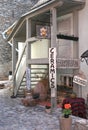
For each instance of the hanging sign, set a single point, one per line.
(28, 81)
(52, 71)
(43, 31)
(80, 81)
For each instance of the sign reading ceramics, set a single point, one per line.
(52, 71)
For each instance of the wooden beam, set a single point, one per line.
(14, 59)
(38, 61)
(53, 27)
(28, 35)
(53, 45)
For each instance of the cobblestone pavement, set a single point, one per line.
(15, 116)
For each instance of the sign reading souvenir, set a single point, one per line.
(52, 71)
(43, 31)
(80, 81)
(28, 81)
(67, 63)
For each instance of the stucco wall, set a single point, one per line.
(83, 42)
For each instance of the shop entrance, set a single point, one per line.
(65, 84)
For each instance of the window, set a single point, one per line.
(66, 80)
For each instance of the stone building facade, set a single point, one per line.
(10, 11)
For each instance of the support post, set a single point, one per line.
(28, 35)
(14, 60)
(28, 53)
(75, 32)
(53, 55)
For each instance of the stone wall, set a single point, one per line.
(10, 11)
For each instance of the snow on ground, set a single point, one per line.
(15, 116)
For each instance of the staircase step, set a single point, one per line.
(20, 93)
(22, 88)
(34, 80)
(23, 85)
(20, 96)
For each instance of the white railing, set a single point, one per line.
(20, 71)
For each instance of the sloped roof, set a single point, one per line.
(39, 5)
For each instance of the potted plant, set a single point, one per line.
(67, 110)
(48, 108)
(66, 120)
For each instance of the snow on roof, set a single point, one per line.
(40, 2)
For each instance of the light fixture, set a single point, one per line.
(84, 57)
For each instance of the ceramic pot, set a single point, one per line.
(48, 109)
(65, 123)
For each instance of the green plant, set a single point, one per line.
(67, 110)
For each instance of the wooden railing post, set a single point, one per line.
(53, 44)
(14, 60)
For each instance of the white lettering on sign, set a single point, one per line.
(52, 70)
(28, 78)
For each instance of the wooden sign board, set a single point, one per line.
(67, 63)
(52, 71)
(80, 81)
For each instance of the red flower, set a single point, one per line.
(67, 106)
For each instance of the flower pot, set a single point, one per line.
(47, 109)
(66, 116)
(65, 123)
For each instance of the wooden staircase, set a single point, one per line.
(36, 75)
(19, 78)
(21, 90)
